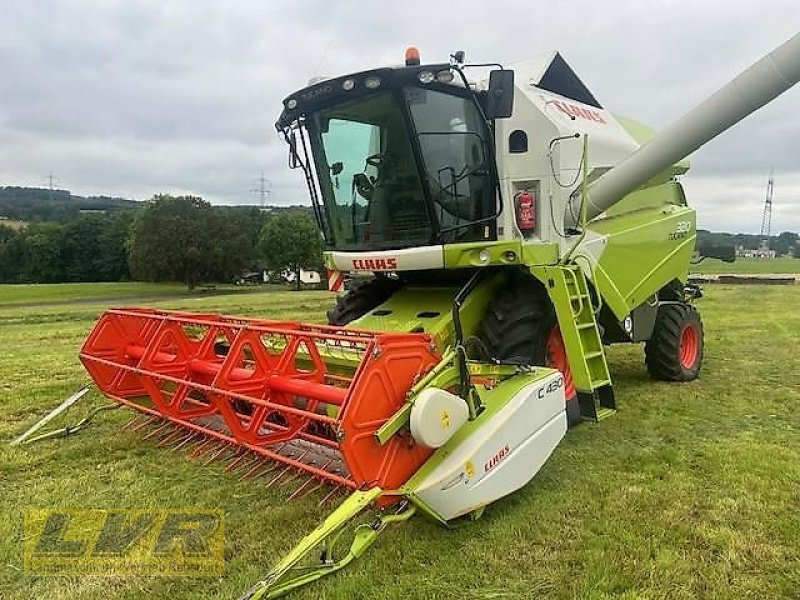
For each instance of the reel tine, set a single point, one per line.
(157, 430)
(329, 495)
(178, 433)
(295, 494)
(203, 447)
(214, 455)
(192, 437)
(251, 472)
(134, 419)
(147, 421)
(237, 458)
(278, 476)
(297, 473)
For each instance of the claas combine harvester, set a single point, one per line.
(512, 227)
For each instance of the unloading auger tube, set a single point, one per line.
(761, 83)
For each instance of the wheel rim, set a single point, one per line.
(557, 358)
(690, 347)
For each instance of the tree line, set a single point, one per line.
(169, 238)
(787, 242)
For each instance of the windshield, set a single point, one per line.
(378, 193)
(368, 174)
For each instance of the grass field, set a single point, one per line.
(41, 293)
(690, 491)
(59, 293)
(778, 266)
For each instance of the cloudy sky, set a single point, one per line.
(132, 98)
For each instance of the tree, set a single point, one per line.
(291, 241)
(172, 239)
(783, 243)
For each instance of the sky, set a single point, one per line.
(132, 99)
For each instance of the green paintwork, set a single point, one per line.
(568, 291)
(407, 308)
(640, 256)
(290, 573)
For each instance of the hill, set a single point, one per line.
(40, 204)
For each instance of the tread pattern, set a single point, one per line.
(517, 322)
(362, 298)
(516, 327)
(662, 351)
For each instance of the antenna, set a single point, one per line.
(263, 189)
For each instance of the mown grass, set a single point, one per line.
(690, 491)
(64, 292)
(783, 265)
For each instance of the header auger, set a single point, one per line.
(510, 228)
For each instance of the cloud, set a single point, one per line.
(136, 98)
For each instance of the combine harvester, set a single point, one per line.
(513, 227)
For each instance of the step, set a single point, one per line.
(604, 412)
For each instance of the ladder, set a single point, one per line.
(568, 290)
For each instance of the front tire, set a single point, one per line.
(362, 298)
(521, 326)
(675, 351)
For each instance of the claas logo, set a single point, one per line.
(375, 264)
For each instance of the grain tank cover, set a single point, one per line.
(550, 72)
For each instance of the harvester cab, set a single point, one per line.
(507, 231)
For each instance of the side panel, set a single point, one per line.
(496, 454)
(630, 256)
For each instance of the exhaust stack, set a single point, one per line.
(761, 83)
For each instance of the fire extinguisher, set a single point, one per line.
(525, 208)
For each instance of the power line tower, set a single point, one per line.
(766, 217)
(50, 185)
(263, 189)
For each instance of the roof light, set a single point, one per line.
(412, 56)
(291, 104)
(348, 84)
(425, 77)
(372, 83)
(444, 76)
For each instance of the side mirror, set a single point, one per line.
(500, 99)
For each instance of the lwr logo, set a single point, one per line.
(166, 542)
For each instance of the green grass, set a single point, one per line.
(711, 266)
(690, 491)
(65, 292)
(59, 293)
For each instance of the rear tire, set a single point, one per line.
(675, 351)
(521, 326)
(362, 298)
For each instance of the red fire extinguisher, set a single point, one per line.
(525, 206)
